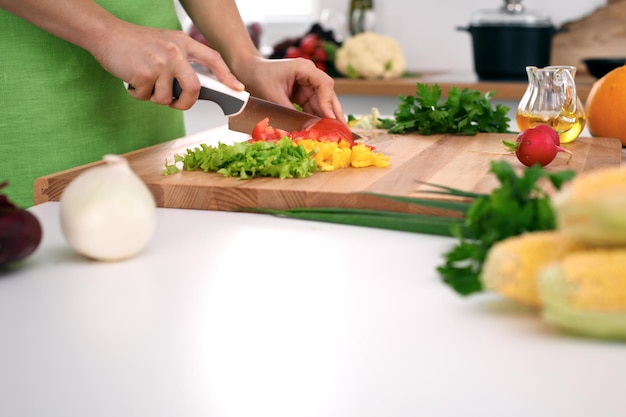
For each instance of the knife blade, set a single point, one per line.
(244, 111)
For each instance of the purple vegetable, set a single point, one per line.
(20, 231)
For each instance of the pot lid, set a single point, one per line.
(511, 13)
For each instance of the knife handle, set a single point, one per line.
(232, 102)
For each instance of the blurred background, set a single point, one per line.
(427, 30)
(430, 33)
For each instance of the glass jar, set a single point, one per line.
(551, 99)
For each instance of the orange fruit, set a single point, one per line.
(606, 106)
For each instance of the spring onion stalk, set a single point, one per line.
(390, 220)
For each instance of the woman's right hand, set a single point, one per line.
(145, 57)
(150, 59)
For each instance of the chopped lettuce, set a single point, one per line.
(281, 159)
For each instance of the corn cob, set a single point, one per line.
(512, 265)
(592, 207)
(585, 293)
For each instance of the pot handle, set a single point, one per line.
(463, 28)
(561, 29)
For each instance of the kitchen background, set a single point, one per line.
(428, 31)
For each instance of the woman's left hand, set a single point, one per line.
(288, 81)
(283, 81)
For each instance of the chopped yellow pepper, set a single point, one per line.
(364, 156)
(337, 155)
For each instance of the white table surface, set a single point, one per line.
(234, 314)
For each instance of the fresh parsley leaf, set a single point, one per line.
(386, 123)
(465, 112)
(518, 205)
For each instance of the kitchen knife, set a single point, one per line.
(245, 111)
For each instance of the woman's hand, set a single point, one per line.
(147, 58)
(150, 59)
(288, 81)
(284, 81)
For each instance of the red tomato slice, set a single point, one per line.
(319, 135)
(262, 131)
(325, 129)
(332, 127)
(307, 134)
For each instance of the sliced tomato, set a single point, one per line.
(262, 131)
(325, 129)
(319, 135)
(306, 134)
(332, 127)
(328, 124)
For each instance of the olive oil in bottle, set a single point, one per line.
(551, 99)
(567, 125)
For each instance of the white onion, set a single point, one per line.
(107, 212)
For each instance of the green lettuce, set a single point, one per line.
(281, 159)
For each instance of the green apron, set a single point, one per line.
(60, 109)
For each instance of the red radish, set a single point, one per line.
(20, 231)
(536, 146)
(549, 131)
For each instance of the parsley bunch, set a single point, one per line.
(465, 112)
(518, 205)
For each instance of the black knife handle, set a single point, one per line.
(230, 101)
(229, 104)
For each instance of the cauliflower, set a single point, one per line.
(370, 55)
(370, 121)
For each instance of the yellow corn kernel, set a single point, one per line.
(585, 293)
(592, 207)
(512, 265)
(598, 182)
(596, 279)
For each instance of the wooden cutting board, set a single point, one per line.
(457, 161)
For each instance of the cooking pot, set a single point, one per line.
(507, 40)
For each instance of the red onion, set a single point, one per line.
(20, 231)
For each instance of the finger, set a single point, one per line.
(317, 90)
(326, 108)
(162, 92)
(321, 103)
(190, 86)
(205, 56)
(329, 105)
(140, 91)
(337, 109)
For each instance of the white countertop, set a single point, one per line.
(235, 314)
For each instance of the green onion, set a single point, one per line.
(450, 225)
(390, 220)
